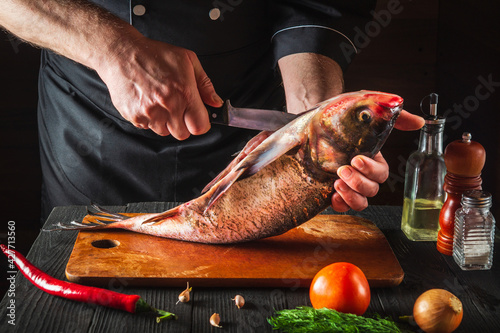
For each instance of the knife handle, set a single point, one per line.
(218, 115)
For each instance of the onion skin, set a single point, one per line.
(438, 311)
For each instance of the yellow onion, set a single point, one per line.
(438, 311)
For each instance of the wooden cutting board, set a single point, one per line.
(120, 257)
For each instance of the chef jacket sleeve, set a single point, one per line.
(327, 27)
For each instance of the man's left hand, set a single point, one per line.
(311, 78)
(361, 179)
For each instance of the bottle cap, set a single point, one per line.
(476, 199)
(432, 117)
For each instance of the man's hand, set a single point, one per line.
(160, 86)
(312, 78)
(362, 178)
(152, 84)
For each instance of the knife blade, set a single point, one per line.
(256, 119)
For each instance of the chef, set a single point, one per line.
(124, 86)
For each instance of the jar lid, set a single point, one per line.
(476, 199)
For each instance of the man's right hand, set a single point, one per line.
(152, 84)
(160, 86)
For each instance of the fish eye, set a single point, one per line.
(365, 116)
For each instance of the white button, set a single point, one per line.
(139, 10)
(214, 13)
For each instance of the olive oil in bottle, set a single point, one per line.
(425, 170)
(421, 219)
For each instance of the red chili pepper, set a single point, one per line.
(80, 293)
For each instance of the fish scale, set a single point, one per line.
(267, 190)
(266, 208)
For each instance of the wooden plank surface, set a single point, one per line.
(288, 260)
(424, 268)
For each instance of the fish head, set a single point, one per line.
(352, 124)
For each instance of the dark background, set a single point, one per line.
(424, 46)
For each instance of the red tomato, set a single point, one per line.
(340, 286)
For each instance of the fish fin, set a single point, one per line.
(266, 154)
(264, 151)
(95, 210)
(279, 143)
(222, 186)
(249, 147)
(75, 225)
(161, 216)
(100, 218)
(222, 174)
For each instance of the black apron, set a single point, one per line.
(89, 153)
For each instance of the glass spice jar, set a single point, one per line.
(474, 233)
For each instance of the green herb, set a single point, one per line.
(306, 319)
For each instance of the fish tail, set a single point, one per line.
(100, 218)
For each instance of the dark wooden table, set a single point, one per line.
(424, 267)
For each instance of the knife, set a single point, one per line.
(256, 119)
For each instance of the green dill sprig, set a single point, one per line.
(306, 319)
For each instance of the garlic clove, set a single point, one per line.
(184, 296)
(239, 301)
(215, 320)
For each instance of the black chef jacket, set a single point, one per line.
(89, 153)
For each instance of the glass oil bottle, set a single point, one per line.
(474, 234)
(425, 170)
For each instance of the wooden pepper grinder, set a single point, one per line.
(464, 161)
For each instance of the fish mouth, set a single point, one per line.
(396, 111)
(397, 108)
(393, 113)
(388, 101)
(381, 137)
(384, 135)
